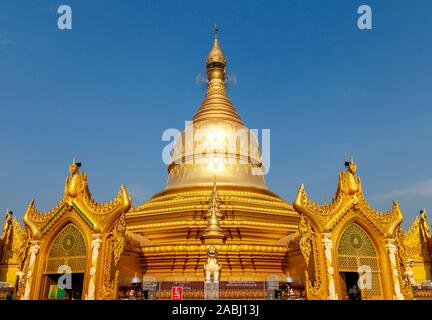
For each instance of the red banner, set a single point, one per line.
(176, 293)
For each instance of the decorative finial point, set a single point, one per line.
(216, 30)
(350, 161)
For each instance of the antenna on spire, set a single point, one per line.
(216, 30)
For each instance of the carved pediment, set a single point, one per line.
(417, 240)
(349, 197)
(77, 198)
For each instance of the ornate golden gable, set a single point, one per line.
(349, 196)
(330, 234)
(79, 232)
(417, 240)
(98, 216)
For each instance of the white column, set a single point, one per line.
(392, 250)
(95, 244)
(328, 250)
(33, 251)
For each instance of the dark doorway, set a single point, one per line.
(53, 292)
(351, 285)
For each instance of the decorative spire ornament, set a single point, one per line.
(216, 105)
(213, 233)
(216, 30)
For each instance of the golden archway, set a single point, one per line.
(353, 235)
(76, 233)
(356, 254)
(68, 248)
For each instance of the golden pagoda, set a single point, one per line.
(215, 194)
(215, 226)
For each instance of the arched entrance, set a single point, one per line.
(357, 260)
(68, 252)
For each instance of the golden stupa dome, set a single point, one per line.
(216, 142)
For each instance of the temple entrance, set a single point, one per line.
(352, 289)
(67, 258)
(358, 266)
(72, 293)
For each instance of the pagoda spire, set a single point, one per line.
(213, 233)
(216, 104)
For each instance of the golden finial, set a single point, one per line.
(350, 161)
(216, 54)
(75, 163)
(74, 167)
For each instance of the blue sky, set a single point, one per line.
(107, 89)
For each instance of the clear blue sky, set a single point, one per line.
(106, 90)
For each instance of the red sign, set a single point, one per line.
(176, 293)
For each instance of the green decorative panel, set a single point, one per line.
(355, 241)
(69, 248)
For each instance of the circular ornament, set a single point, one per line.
(68, 242)
(355, 241)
